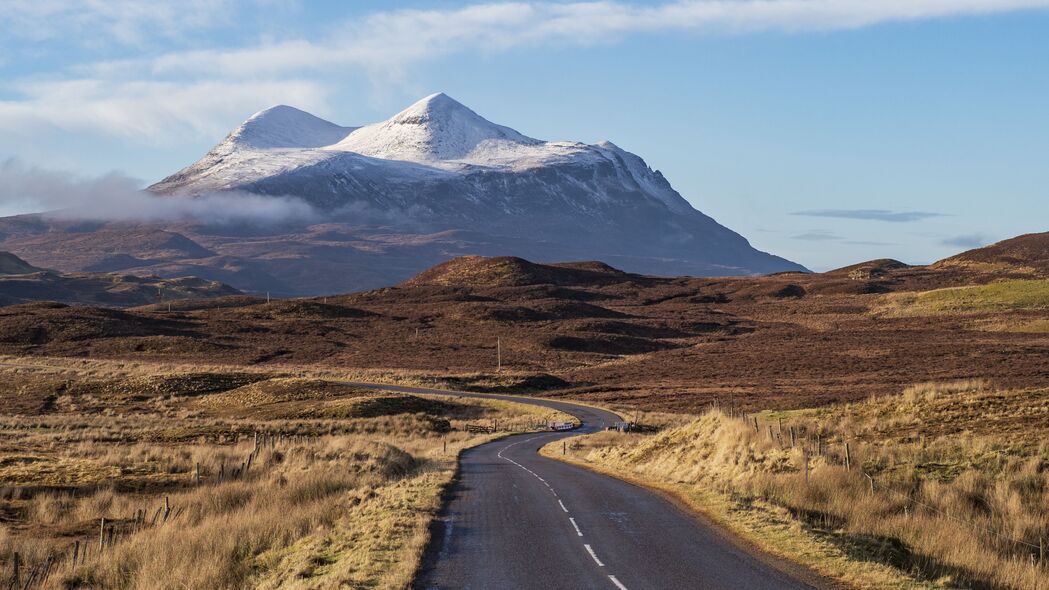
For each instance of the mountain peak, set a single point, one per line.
(436, 106)
(437, 127)
(282, 126)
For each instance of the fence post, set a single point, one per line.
(848, 458)
(805, 459)
(101, 535)
(564, 447)
(76, 553)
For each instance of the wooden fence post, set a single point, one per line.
(101, 535)
(805, 459)
(848, 458)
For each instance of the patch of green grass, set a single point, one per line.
(1024, 295)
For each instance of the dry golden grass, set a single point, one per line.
(332, 498)
(960, 474)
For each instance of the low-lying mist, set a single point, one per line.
(118, 197)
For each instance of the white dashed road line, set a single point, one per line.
(590, 550)
(577, 531)
(619, 585)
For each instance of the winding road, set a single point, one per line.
(518, 520)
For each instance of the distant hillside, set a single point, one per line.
(1029, 252)
(13, 265)
(21, 282)
(510, 271)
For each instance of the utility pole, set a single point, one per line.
(267, 296)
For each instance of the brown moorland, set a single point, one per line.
(586, 330)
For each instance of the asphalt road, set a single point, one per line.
(519, 520)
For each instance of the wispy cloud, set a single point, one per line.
(179, 91)
(396, 39)
(870, 214)
(817, 235)
(975, 240)
(822, 235)
(116, 197)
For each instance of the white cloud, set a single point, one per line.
(181, 93)
(95, 22)
(401, 38)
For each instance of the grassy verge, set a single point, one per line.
(961, 489)
(339, 491)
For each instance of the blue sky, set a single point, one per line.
(826, 131)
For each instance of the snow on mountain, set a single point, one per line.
(433, 129)
(439, 166)
(282, 126)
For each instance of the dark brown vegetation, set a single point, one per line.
(589, 331)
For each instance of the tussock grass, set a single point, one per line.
(961, 473)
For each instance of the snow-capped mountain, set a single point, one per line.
(393, 198)
(439, 166)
